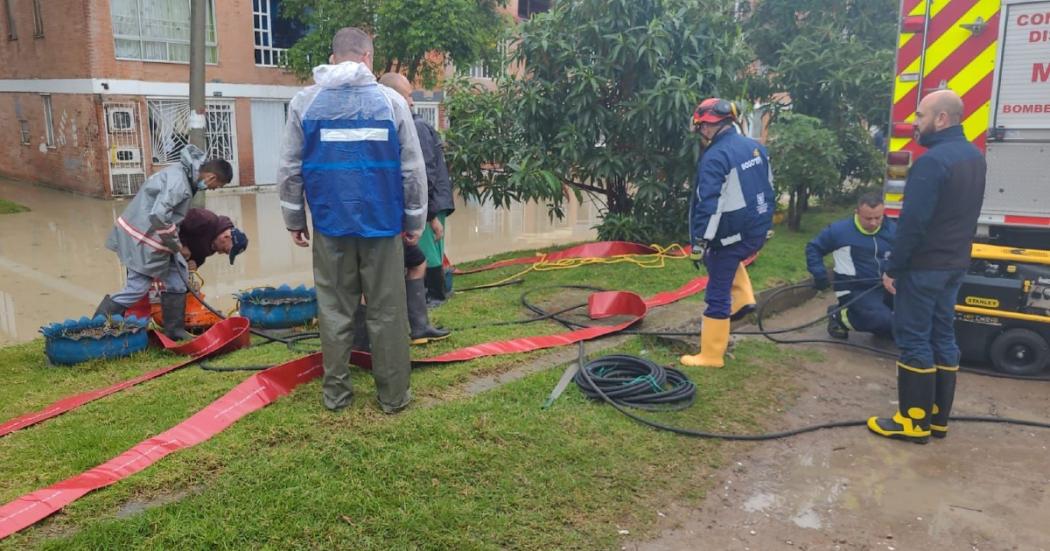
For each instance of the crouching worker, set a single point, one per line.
(204, 233)
(146, 239)
(861, 246)
(730, 213)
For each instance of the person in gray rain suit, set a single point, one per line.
(146, 237)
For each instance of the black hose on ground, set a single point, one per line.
(760, 314)
(644, 389)
(602, 389)
(636, 382)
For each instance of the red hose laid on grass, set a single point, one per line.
(254, 393)
(263, 388)
(225, 336)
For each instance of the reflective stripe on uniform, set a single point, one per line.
(141, 237)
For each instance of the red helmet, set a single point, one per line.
(714, 110)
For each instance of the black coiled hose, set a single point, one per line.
(636, 382)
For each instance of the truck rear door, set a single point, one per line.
(1018, 150)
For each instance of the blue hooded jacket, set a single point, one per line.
(733, 195)
(857, 254)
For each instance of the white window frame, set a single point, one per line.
(12, 31)
(38, 19)
(424, 108)
(262, 27)
(211, 37)
(49, 121)
(482, 72)
(24, 134)
(479, 71)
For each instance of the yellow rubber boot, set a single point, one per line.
(911, 422)
(742, 294)
(714, 338)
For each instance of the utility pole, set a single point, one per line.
(198, 120)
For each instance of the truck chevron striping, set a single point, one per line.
(996, 55)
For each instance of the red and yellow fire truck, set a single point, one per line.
(996, 55)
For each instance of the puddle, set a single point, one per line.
(53, 263)
(760, 502)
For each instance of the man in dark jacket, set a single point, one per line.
(861, 247)
(730, 213)
(943, 198)
(440, 203)
(416, 257)
(204, 233)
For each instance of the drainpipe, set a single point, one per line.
(197, 122)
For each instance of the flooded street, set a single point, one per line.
(53, 263)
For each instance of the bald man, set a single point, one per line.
(943, 197)
(440, 203)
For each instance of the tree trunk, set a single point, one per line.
(794, 212)
(619, 201)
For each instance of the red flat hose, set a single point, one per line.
(265, 387)
(225, 336)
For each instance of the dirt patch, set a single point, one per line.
(137, 506)
(984, 487)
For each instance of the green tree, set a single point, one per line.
(834, 59)
(603, 108)
(805, 157)
(416, 37)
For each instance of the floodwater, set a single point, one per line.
(54, 266)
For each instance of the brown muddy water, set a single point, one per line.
(53, 263)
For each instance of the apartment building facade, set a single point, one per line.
(94, 93)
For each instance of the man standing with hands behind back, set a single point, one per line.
(350, 148)
(943, 198)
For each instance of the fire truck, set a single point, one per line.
(996, 55)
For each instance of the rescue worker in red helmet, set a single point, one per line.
(730, 214)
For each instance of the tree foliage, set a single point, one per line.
(805, 157)
(833, 57)
(834, 60)
(416, 37)
(603, 108)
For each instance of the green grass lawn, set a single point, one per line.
(468, 472)
(7, 207)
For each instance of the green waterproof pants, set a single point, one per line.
(344, 269)
(433, 249)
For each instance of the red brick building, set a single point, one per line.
(94, 93)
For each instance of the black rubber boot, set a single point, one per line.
(173, 309)
(109, 307)
(943, 397)
(420, 330)
(434, 280)
(915, 388)
(836, 329)
(361, 342)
